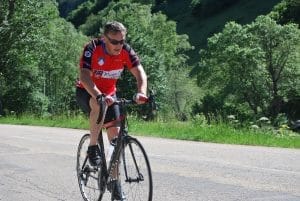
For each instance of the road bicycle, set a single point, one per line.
(128, 159)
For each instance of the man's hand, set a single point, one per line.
(140, 98)
(109, 100)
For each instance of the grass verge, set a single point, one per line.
(218, 133)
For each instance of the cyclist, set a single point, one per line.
(101, 64)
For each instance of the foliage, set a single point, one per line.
(78, 16)
(206, 8)
(195, 3)
(66, 6)
(255, 64)
(90, 7)
(19, 69)
(182, 92)
(36, 68)
(146, 2)
(87, 8)
(287, 11)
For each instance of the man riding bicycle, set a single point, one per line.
(101, 64)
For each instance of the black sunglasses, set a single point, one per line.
(114, 41)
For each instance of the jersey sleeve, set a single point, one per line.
(132, 60)
(86, 58)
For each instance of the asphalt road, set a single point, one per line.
(38, 163)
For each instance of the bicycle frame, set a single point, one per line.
(107, 169)
(122, 137)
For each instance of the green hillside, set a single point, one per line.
(198, 22)
(212, 18)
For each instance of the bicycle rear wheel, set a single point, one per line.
(135, 172)
(88, 176)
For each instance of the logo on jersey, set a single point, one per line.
(113, 74)
(87, 54)
(100, 61)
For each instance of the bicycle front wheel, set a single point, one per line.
(88, 176)
(135, 172)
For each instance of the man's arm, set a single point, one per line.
(89, 85)
(141, 78)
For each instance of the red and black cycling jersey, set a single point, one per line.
(106, 69)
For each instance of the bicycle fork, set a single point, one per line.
(140, 176)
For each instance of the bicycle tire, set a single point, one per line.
(88, 176)
(135, 172)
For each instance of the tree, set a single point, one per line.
(280, 59)
(79, 15)
(257, 64)
(18, 65)
(182, 94)
(36, 68)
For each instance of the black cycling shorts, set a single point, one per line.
(83, 99)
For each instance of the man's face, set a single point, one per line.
(114, 42)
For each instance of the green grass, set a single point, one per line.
(78, 122)
(220, 133)
(217, 133)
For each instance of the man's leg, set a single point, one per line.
(112, 132)
(93, 150)
(94, 127)
(90, 106)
